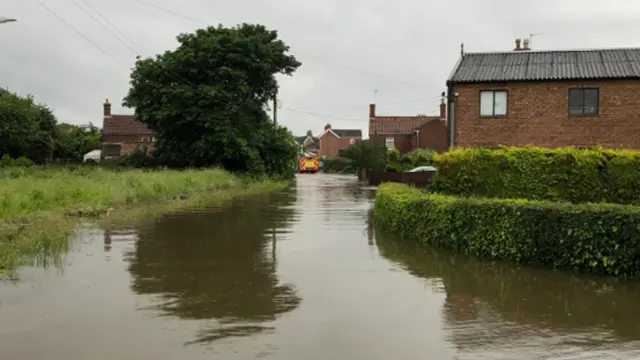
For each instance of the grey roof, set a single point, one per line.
(348, 133)
(547, 65)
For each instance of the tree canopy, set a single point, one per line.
(27, 129)
(368, 154)
(206, 100)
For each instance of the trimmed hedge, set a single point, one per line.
(596, 238)
(593, 175)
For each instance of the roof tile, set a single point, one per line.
(548, 65)
(125, 125)
(398, 124)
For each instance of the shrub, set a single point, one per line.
(419, 157)
(8, 162)
(597, 238)
(338, 165)
(592, 175)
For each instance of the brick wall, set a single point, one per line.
(128, 142)
(330, 145)
(433, 135)
(538, 114)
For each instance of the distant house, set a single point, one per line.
(551, 99)
(407, 133)
(123, 133)
(308, 143)
(333, 142)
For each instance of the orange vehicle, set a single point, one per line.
(308, 164)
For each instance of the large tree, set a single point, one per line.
(27, 129)
(206, 100)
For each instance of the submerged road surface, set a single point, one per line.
(302, 275)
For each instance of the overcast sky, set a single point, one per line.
(349, 48)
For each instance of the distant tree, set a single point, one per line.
(367, 154)
(27, 129)
(206, 100)
(73, 141)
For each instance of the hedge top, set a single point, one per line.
(569, 174)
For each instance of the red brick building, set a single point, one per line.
(407, 133)
(551, 99)
(123, 133)
(332, 142)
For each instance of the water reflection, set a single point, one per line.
(491, 305)
(217, 265)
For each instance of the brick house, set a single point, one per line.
(332, 142)
(552, 99)
(123, 133)
(407, 133)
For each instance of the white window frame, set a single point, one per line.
(493, 113)
(145, 139)
(390, 142)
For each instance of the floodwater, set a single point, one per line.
(303, 275)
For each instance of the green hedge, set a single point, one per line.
(569, 174)
(338, 165)
(597, 238)
(404, 162)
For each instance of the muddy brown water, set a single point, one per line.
(303, 275)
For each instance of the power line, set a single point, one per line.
(76, 30)
(323, 115)
(101, 24)
(164, 9)
(158, 7)
(110, 23)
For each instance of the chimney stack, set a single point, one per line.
(327, 127)
(443, 109)
(107, 108)
(372, 110)
(518, 41)
(526, 44)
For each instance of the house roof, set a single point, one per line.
(300, 139)
(125, 125)
(344, 133)
(597, 64)
(398, 124)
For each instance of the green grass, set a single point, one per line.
(38, 206)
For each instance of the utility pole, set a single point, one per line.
(275, 108)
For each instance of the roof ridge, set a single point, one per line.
(549, 50)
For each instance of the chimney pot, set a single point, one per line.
(518, 41)
(107, 108)
(443, 109)
(327, 127)
(526, 44)
(372, 110)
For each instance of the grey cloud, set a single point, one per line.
(404, 49)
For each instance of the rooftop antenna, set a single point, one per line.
(461, 49)
(531, 35)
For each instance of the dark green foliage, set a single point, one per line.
(420, 157)
(367, 154)
(26, 128)
(73, 142)
(338, 165)
(206, 100)
(8, 162)
(593, 175)
(597, 238)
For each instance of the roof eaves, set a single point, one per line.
(454, 70)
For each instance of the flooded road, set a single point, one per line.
(303, 275)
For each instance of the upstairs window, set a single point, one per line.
(390, 143)
(584, 101)
(493, 103)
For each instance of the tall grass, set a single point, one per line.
(37, 205)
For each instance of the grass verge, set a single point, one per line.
(38, 207)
